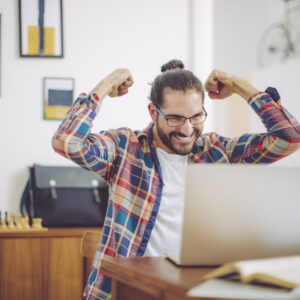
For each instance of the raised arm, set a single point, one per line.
(221, 85)
(283, 131)
(73, 139)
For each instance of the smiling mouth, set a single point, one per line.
(184, 139)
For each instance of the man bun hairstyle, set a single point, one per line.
(171, 65)
(175, 77)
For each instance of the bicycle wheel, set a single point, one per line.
(274, 45)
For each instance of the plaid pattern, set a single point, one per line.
(127, 160)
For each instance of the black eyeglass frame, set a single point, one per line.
(183, 118)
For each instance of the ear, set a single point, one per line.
(152, 111)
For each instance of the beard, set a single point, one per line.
(170, 140)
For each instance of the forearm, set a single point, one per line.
(103, 88)
(243, 88)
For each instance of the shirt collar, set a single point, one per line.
(145, 132)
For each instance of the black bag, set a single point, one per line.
(65, 196)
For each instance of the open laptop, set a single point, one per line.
(238, 212)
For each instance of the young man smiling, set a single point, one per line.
(145, 170)
(177, 134)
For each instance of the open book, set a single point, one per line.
(282, 271)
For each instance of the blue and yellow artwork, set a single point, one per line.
(41, 28)
(58, 97)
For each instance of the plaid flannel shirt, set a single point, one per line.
(127, 160)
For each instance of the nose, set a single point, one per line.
(187, 128)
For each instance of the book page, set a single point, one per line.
(218, 288)
(282, 269)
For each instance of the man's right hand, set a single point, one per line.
(115, 85)
(121, 80)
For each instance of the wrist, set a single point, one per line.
(103, 88)
(243, 88)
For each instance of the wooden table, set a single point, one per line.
(43, 265)
(150, 278)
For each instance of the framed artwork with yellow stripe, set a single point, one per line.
(57, 97)
(41, 28)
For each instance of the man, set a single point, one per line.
(145, 170)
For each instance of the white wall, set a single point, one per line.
(238, 26)
(99, 36)
(202, 48)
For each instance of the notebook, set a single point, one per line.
(238, 212)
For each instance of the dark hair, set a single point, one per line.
(175, 77)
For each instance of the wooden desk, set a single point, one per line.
(42, 265)
(150, 278)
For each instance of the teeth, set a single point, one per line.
(184, 139)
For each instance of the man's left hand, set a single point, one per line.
(219, 85)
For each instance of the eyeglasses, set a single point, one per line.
(177, 121)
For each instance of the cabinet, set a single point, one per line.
(44, 265)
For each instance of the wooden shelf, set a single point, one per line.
(51, 232)
(42, 264)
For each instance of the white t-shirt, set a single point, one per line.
(166, 232)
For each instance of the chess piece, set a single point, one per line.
(11, 224)
(19, 224)
(25, 223)
(37, 223)
(3, 224)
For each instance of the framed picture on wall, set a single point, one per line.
(41, 28)
(57, 97)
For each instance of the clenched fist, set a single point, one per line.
(115, 85)
(220, 85)
(121, 80)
